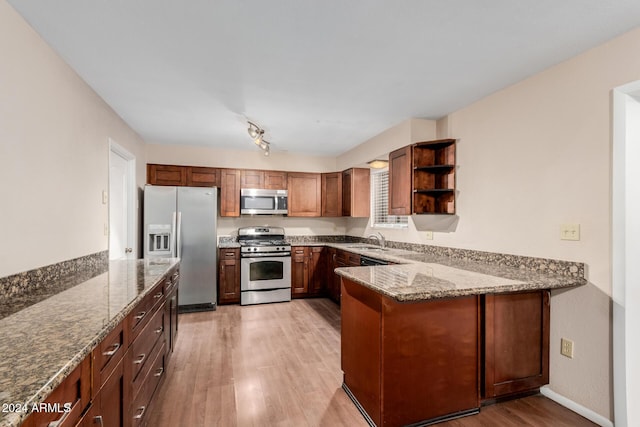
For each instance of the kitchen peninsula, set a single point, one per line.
(435, 338)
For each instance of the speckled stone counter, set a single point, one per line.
(43, 343)
(421, 276)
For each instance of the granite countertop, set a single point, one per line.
(420, 276)
(42, 343)
(228, 245)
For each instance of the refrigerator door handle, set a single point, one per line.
(173, 235)
(179, 234)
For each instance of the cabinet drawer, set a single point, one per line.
(141, 348)
(139, 317)
(145, 368)
(74, 392)
(107, 355)
(148, 386)
(230, 253)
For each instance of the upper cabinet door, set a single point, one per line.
(400, 185)
(332, 194)
(356, 193)
(251, 179)
(275, 180)
(166, 175)
(230, 192)
(203, 177)
(305, 191)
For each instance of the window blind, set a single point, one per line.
(380, 202)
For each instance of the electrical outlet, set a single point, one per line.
(570, 232)
(106, 229)
(428, 235)
(566, 348)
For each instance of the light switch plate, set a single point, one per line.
(105, 197)
(570, 232)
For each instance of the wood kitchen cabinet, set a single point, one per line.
(317, 269)
(263, 179)
(299, 271)
(229, 276)
(192, 176)
(305, 194)
(230, 192)
(400, 181)
(332, 194)
(166, 175)
(516, 343)
(308, 268)
(203, 177)
(356, 192)
(422, 178)
(275, 180)
(407, 363)
(251, 178)
(75, 391)
(434, 168)
(338, 258)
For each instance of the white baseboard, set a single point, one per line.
(576, 407)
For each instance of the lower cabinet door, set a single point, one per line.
(516, 343)
(108, 408)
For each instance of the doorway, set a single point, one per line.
(122, 166)
(625, 253)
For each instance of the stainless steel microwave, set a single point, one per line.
(263, 202)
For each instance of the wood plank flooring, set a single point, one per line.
(279, 365)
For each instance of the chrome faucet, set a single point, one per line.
(379, 237)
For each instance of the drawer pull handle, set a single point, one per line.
(98, 420)
(140, 315)
(114, 349)
(159, 330)
(140, 411)
(229, 254)
(158, 295)
(140, 359)
(59, 421)
(158, 372)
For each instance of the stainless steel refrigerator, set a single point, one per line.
(181, 222)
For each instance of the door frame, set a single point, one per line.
(625, 249)
(118, 150)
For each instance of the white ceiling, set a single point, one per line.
(320, 76)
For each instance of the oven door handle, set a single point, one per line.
(266, 255)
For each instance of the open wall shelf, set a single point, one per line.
(434, 184)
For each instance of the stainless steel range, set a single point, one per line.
(265, 272)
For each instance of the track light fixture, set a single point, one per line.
(257, 134)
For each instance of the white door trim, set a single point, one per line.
(625, 250)
(117, 149)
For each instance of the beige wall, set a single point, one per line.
(54, 133)
(246, 158)
(379, 146)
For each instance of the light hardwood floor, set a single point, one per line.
(279, 365)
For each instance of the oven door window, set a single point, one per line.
(266, 270)
(258, 202)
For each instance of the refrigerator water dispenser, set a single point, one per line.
(159, 239)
